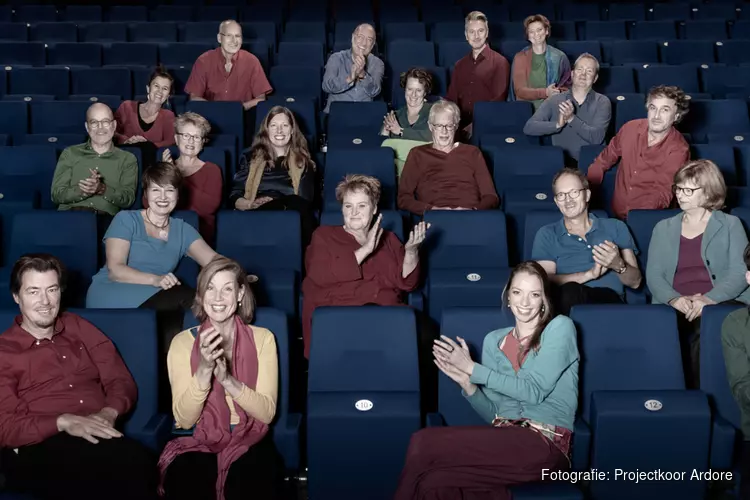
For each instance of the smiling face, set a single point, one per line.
(230, 38)
(280, 131)
(100, 124)
(526, 297)
(358, 210)
(662, 113)
(162, 200)
(189, 140)
(443, 129)
(222, 296)
(570, 196)
(39, 299)
(537, 33)
(584, 74)
(414, 92)
(476, 33)
(158, 90)
(363, 40)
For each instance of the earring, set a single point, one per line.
(542, 308)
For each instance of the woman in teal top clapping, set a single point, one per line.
(526, 388)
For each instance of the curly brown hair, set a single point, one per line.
(420, 74)
(681, 100)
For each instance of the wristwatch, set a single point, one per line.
(623, 268)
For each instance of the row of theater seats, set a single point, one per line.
(297, 31)
(464, 252)
(363, 396)
(430, 12)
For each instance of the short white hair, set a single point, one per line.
(443, 106)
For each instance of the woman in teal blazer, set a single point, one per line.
(695, 258)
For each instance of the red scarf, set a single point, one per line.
(212, 433)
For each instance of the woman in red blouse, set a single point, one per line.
(202, 180)
(148, 122)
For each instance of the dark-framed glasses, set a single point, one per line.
(572, 194)
(686, 191)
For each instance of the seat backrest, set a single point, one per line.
(8, 209)
(685, 77)
(494, 117)
(615, 79)
(133, 332)
(744, 215)
(70, 236)
(224, 117)
(722, 155)
(260, 240)
(75, 54)
(106, 81)
(30, 169)
(641, 224)
(526, 167)
(346, 115)
(277, 322)
(627, 347)
(378, 163)
(713, 372)
(634, 51)
(363, 349)
(472, 324)
(721, 115)
(466, 238)
(404, 54)
(300, 54)
(392, 221)
(187, 270)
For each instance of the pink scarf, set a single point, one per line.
(212, 433)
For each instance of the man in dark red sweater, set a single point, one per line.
(650, 151)
(445, 175)
(62, 388)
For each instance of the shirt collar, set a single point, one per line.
(91, 149)
(483, 54)
(24, 338)
(223, 60)
(563, 231)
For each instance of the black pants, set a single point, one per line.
(690, 347)
(170, 306)
(566, 296)
(64, 467)
(745, 471)
(258, 474)
(306, 211)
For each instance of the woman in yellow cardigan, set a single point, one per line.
(277, 171)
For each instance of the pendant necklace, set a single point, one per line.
(163, 234)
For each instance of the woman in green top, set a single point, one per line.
(410, 121)
(526, 388)
(735, 340)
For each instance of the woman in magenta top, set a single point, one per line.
(148, 122)
(695, 258)
(202, 181)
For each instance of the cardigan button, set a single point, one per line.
(713, 276)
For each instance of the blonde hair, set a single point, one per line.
(475, 15)
(707, 175)
(190, 118)
(245, 309)
(358, 182)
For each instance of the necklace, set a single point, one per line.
(163, 234)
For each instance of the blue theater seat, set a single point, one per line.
(70, 236)
(417, 32)
(574, 49)
(604, 30)
(392, 221)
(131, 54)
(53, 32)
(467, 258)
(82, 13)
(172, 13)
(153, 32)
(128, 14)
(717, 116)
(628, 107)
(450, 52)
(13, 32)
(267, 244)
(133, 331)
(627, 368)
(305, 31)
(75, 54)
(225, 117)
(670, 11)
(201, 31)
(104, 32)
(718, 11)
(634, 51)
(349, 121)
(182, 53)
(580, 12)
(732, 51)
(500, 118)
(723, 156)
(685, 77)
(216, 13)
(26, 171)
(706, 30)
(615, 79)
(626, 12)
(260, 31)
(377, 163)
(22, 54)
(692, 52)
(363, 394)
(653, 30)
(296, 82)
(101, 81)
(405, 54)
(9, 207)
(714, 382)
(49, 81)
(300, 54)
(35, 13)
(286, 425)
(720, 80)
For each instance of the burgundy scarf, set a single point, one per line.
(212, 433)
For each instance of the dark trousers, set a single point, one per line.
(170, 306)
(745, 471)
(257, 474)
(468, 463)
(306, 211)
(566, 296)
(690, 347)
(64, 466)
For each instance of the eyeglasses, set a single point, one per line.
(190, 138)
(231, 37)
(100, 123)
(573, 194)
(685, 191)
(447, 128)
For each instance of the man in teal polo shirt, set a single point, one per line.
(96, 176)
(589, 260)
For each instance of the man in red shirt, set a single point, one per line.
(62, 388)
(650, 151)
(481, 75)
(228, 73)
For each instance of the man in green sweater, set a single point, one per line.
(735, 340)
(96, 176)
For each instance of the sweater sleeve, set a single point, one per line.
(521, 81)
(64, 190)
(488, 195)
(396, 248)
(261, 402)
(407, 186)
(187, 397)
(557, 352)
(167, 127)
(737, 358)
(544, 121)
(328, 262)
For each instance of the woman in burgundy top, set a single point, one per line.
(202, 180)
(358, 263)
(147, 124)
(695, 258)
